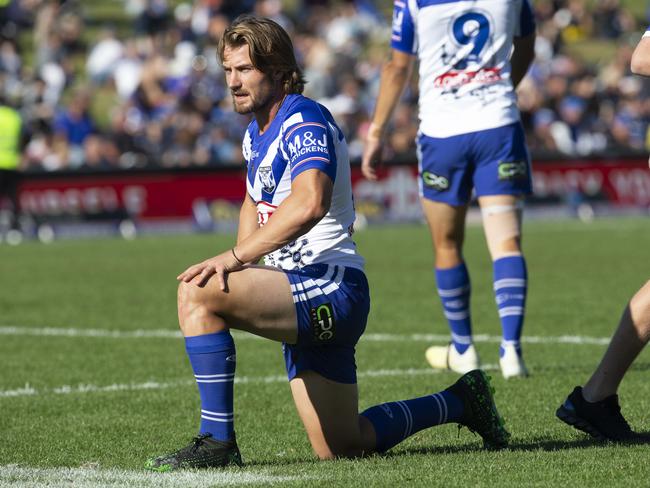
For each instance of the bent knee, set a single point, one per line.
(196, 303)
(187, 297)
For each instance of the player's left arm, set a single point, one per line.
(522, 57)
(640, 64)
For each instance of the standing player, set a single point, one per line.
(594, 408)
(313, 294)
(472, 55)
(12, 141)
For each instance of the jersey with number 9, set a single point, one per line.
(464, 49)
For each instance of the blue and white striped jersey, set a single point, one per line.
(303, 135)
(464, 49)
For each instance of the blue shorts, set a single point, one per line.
(332, 305)
(493, 162)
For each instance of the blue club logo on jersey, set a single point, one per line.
(265, 174)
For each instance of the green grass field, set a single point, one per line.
(94, 378)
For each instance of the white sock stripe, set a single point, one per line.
(444, 402)
(510, 283)
(406, 421)
(214, 419)
(510, 311)
(437, 400)
(218, 375)
(444, 409)
(407, 416)
(461, 339)
(218, 414)
(222, 380)
(457, 315)
(514, 343)
(452, 292)
(458, 304)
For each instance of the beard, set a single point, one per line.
(251, 105)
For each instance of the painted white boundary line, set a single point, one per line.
(29, 390)
(15, 475)
(373, 337)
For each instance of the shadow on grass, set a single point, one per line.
(557, 445)
(540, 444)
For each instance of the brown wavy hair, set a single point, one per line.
(269, 47)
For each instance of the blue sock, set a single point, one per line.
(395, 421)
(510, 286)
(454, 291)
(213, 360)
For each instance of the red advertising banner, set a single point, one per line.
(150, 195)
(216, 194)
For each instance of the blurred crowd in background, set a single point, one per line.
(145, 88)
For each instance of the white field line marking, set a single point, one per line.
(371, 337)
(29, 390)
(97, 477)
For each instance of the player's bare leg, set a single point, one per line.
(630, 338)
(258, 300)
(330, 413)
(447, 226)
(502, 225)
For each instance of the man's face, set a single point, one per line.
(252, 90)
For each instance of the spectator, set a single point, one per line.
(72, 126)
(170, 66)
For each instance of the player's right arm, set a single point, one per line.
(394, 76)
(248, 222)
(640, 64)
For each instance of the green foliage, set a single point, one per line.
(581, 276)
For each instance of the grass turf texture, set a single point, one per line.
(581, 276)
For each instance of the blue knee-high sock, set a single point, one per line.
(454, 291)
(395, 421)
(213, 360)
(510, 287)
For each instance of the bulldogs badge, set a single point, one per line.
(265, 174)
